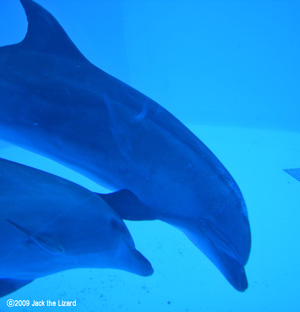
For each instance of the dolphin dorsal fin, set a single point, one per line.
(45, 34)
(128, 206)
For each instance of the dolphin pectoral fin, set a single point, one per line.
(48, 245)
(128, 206)
(43, 242)
(7, 286)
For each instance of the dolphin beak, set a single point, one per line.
(222, 253)
(140, 265)
(132, 260)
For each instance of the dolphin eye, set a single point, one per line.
(117, 225)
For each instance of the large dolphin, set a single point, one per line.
(48, 224)
(56, 103)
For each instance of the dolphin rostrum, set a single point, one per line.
(56, 103)
(48, 224)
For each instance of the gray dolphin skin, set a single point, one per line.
(48, 224)
(56, 103)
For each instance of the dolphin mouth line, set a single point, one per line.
(222, 241)
(217, 238)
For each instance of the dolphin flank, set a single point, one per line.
(56, 103)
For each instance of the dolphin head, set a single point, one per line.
(103, 241)
(221, 230)
(126, 257)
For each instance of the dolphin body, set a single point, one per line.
(56, 103)
(48, 224)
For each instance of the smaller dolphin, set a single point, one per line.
(48, 224)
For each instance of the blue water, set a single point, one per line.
(230, 71)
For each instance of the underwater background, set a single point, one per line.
(230, 71)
